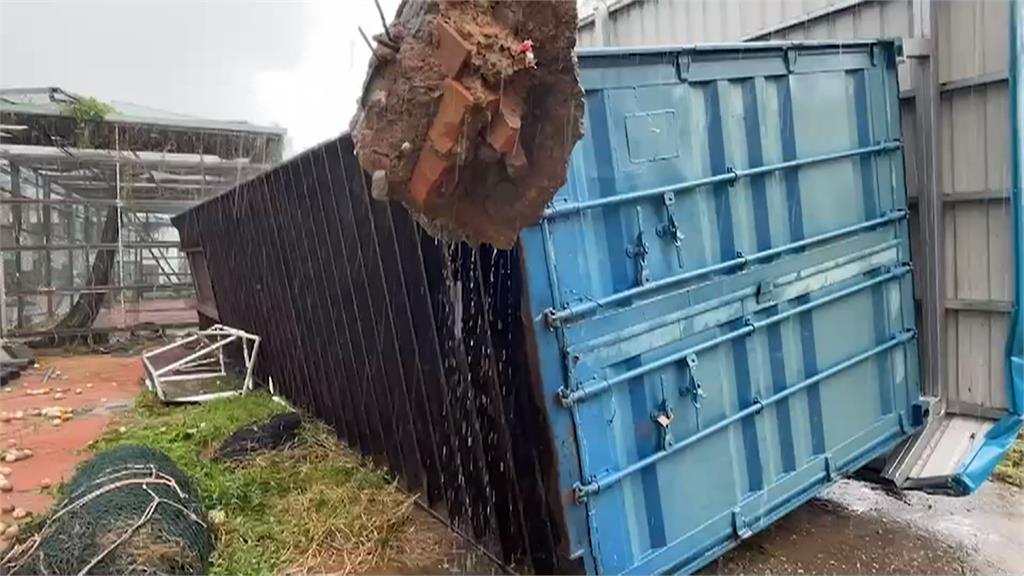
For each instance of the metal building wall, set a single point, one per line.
(973, 263)
(664, 22)
(86, 244)
(973, 61)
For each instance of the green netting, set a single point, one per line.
(129, 510)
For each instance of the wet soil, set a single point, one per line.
(857, 528)
(824, 538)
(988, 526)
(108, 384)
(475, 192)
(854, 528)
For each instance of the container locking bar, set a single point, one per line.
(570, 397)
(729, 177)
(596, 485)
(555, 318)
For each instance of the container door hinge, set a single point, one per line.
(670, 230)
(639, 251)
(739, 525)
(682, 67)
(790, 58)
(582, 490)
(565, 396)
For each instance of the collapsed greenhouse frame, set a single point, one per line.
(86, 193)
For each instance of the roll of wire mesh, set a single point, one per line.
(129, 510)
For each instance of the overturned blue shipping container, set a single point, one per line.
(713, 320)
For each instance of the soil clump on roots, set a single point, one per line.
(469, 113)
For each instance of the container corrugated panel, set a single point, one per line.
(712, 321)
(727, 278)
(967, 298)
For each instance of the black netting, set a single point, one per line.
(129, 510)
(281, 430)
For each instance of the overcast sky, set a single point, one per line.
(298, 64)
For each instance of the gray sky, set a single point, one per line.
(298, 64)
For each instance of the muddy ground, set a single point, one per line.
(856, 528)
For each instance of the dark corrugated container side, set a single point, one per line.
(412, 349)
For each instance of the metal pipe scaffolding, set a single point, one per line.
(60, 180)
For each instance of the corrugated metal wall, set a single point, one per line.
(974, 165)
(973, 160)
(411, 348)
(639, 22)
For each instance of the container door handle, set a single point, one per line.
(663, 418)
(693, 387)
(639, 252)
(670, 230)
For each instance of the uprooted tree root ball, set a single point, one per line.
(470, 111)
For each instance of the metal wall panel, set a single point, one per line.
(973, 39)
(975, 172)
(667, 22)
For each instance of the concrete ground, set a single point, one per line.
(853, 528)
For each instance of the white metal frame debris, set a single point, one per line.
(205, 363)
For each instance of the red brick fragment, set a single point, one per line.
(503, 133)
(456, 102)
(430, 171)
(452, 50)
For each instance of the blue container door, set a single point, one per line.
(721, 294)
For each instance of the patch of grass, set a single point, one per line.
(310, 508)
(1011, 469)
